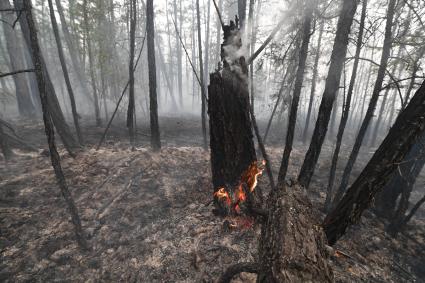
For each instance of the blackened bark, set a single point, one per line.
(374, 99)
(242, 13)
(339, 52)
(201, 77)
(153, 102)
(23, 95)
(314, 80)
(346, 111)
(53, 103)
(406, 131)
(48, 125)
(65, 72)
(131, 104)
(4, 145)
(292, 248)
(297, 91)
(411, 213)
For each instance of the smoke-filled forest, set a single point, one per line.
(212, 141)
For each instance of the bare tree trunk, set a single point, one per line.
(153, 103)
(36, 57)
(297, 91)
(54, 106)
(179, 59)
(314, 80)
(406, 131)
(4, 145)
(339, 51)
(346, 111)
(201, 77)
(374, 99)
(65, 72)
(91, 63)
(131, 104)
(292, 248)
(242, 13)
(23, 95)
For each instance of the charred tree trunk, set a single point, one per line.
(242, 13)
(297, 91)
(346, 111)
(4, 145)
(153, 102)
(131, 104)
(65, 72)
(339, 51)
(292, 248)
(406, 131)
(375, 96)
(231, 138)
(53, 103)
(38, 64)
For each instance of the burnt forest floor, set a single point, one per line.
(148, 215)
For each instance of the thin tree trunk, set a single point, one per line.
(201, 77)
(402, 136)
(4, 145)
(339, 51)
(36, 56)
(131, 104)
(179, 59)
(91, 63)
(65, 72)
(346, 111)
(297, 91)
(73, 53)
(374, 99)
(242, 13)
(153, 103)
(314, 80)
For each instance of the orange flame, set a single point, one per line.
(250, 178)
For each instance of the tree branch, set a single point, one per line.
(2, 75)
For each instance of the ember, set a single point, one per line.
(248, 179)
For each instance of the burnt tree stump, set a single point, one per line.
(231, 138)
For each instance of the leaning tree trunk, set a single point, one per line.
(53, 103)
(231, 138)
(339, 51)
(374, 100)
(65, 72)
(406, 131)
(292, 247)
(47, 118)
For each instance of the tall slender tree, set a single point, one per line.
(131, 103)
(48, 125)
(153, 102)
(65, 71)
(375, 96)
(308, 6)
(201, 77)
(339, 51)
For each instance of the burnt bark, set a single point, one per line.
(48, 125)
(292, 248)
(406, 131)
(4, 145)
(339, 52)
(131, 104)
(153, 102)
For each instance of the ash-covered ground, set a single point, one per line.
(148, 216)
